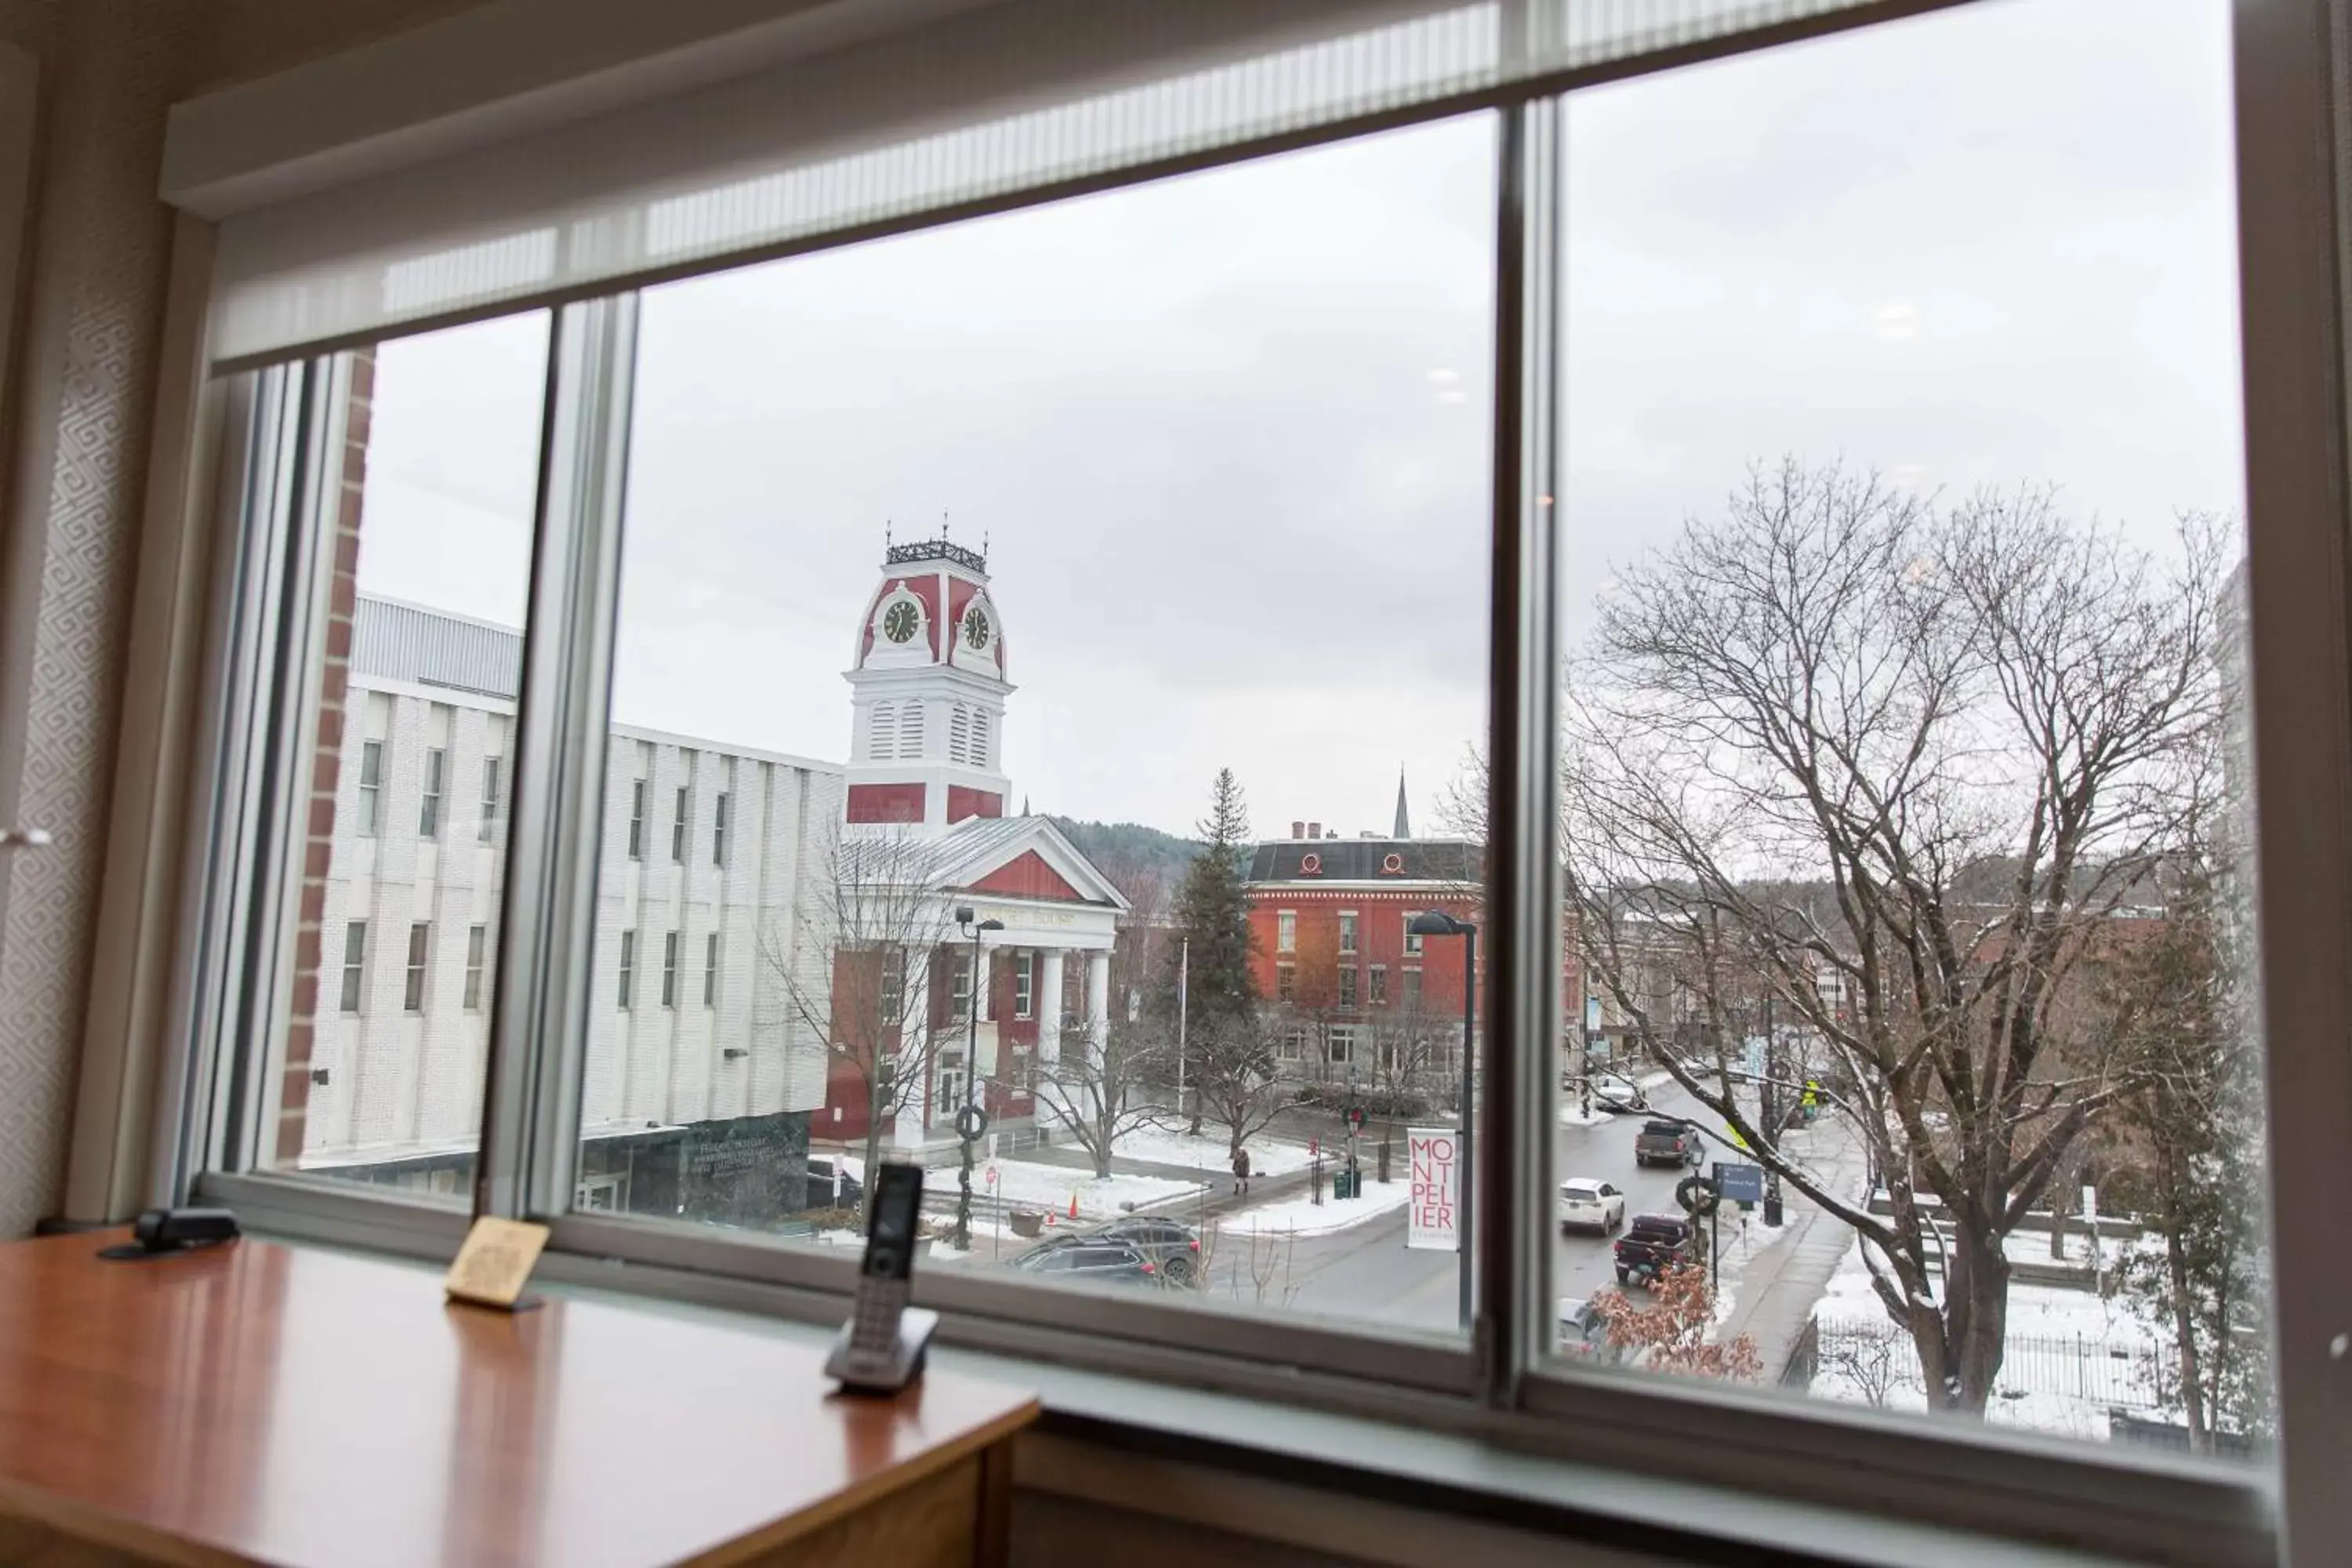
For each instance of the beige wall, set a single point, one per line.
(72, 475)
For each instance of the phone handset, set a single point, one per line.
(881, 1348)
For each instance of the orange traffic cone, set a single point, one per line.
(1074, 1205)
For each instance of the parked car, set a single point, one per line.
(1586, 1203)
(1080, 1258)
(1174, 1248)
(821, 1192)
(1653, 1243)
(1610, 1093)
(1583, 1333)
(1663, 1140)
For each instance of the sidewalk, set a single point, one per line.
(1776, 1295)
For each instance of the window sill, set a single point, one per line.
(1246, 1466)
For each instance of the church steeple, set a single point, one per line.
(928, 672)
(1403, 821)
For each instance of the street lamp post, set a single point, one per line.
(1437, 922)
(1183, 976)
(970, 1122)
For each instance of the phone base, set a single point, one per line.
(890, 1371)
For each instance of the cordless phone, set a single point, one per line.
(881, 1349)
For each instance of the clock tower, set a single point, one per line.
(928, 680)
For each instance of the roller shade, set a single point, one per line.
(987, 105)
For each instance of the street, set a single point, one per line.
(1366, 1271)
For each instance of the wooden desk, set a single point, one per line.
(266, 1405)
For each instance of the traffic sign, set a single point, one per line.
(1740, 1184)
(990, 1174)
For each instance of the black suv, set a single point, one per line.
(1653, 1243)
(1174, 1249)
(1077, 1258)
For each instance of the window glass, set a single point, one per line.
(411, 682)
(1065, 488)
(1904, 802)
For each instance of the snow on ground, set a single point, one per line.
(1165, 1146)
(2071, 1356)
(1304, 1216)
(1570, 1116)
(1051, 1187)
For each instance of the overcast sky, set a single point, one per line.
(1227, 436)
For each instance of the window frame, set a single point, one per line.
(2295, 263)
(478, 938)
(711, 970)
(493, 765)
(371, 789)
(351, 987)
(417, 973)
(432, 790)
(638, 789)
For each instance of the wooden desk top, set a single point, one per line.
(262, 1404)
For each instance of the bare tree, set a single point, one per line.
(1098, 1091)
(858, 969)
(1895, 770)
(1234, 1073)
(1875, 1358)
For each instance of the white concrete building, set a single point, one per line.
(703, 848)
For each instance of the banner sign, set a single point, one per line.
(1433, 1160)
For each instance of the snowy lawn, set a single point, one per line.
(1570, 1116)
(1162, 1146)
(1304, 1216)
(2072, 1355)
(1051, 1187)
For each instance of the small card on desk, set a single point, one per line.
(494, 1265)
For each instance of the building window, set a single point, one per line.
(1343, 1045)
(1412, 990)
(1024, 984)
(711, 970)
(719, 829)
(354, 963)
(1412, 937)
(878, 735)
(959, 987)
(1286, 931)
(669, 969)
(1347, 987)
(429, 810)
(959, 733)
(637, 819)
(628, 965)
(491, 766)
(1347, 932)
(476, 942)
(1379, 996)
(1285, 983)
(894, 984)
(910, 731)
(420, 942)
(677, 825)
(370, 786)
(980, 737)
(1294, 1046)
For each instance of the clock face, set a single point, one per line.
(899, 622)
(975, 629)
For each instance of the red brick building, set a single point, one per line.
(1363, 999)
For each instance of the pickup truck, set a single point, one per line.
(1663, 1141)
(1653, 1243)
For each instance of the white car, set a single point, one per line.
(1586, 1203)
(1610, 1093)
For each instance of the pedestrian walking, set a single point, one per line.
(1241, 1171)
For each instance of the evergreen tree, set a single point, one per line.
(1228, 1059)
(1211, 913)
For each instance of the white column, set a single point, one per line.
(1049, 1007)
(983, 984)
(1098, 995)
(914, 1055)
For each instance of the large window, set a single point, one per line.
(390, 513)
(1906, 825)
(1844, 548)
